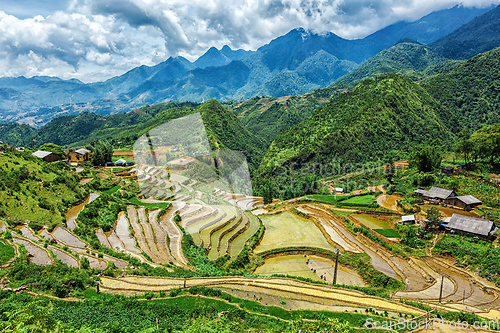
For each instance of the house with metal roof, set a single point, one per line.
(408, 219)
(436, 193)
(79, 156)
(47, 156)
(471, 225)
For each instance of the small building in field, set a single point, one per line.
(466, 202)
(448, 170)
(408, 219)
(436, 194)
(79, 156)
(471, 225)
(47, 156)
(339, 190)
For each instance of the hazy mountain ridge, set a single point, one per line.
(292, 64)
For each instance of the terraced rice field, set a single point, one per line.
(123, 233)
(65, 257)
(66, 237)
(371, 222)
(239, 242)
(174, 234)
(286, 229)
(287, 288)
(206, 231)
(40, 255)
(217, 235)
(161, 238)
(229, 236)
(389, 201)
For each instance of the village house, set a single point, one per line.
(466, 202)
(47, 156)
(438, 194)
(408, 219)
(79, 156)
(471, 225)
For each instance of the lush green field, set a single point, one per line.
(287, 229)
(324, 198)
(160, 205)
(6, 252)
(360, 200)
(389, 233)
(113, 190)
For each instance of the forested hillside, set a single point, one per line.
(470, 90)
(407, 57)
(386, 113)
(15, 134)
(267, 117)
(479, 35)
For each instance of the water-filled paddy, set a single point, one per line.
(286, 230)
(371, 222)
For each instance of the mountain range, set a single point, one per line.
(293, 64)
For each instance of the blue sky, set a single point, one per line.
(95, 39)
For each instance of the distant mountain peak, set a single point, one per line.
(407, 40)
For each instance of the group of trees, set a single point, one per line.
(482, 144)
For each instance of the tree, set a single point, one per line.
(102, 152)
(465, 146)
(52, 147)
(426, 157)
(433, 216)
(487, 141)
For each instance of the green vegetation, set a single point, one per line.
(407, 58)
(477, 36)
(193, 310)
(102, 151)
(389, 233)
(31, 189)
(14, 133)
(7, 252)
(426, 157)
(469, 90)
(267, 117)
(361, 200)
(386, 113)
(160, 205)
(476, 254)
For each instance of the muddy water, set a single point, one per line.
(325, 267)
(371, 222)
(389, 201)
(73, 212)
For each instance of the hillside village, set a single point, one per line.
(317, 184)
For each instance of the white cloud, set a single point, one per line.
(96, 39)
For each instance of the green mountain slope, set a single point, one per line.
(224, 129)
(407, 57)
(14, 133)
(470, 90)
(479, 35)
(267, 117)
(88, 127)
(389, 112)
(34, 190)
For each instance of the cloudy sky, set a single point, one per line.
(93, 40)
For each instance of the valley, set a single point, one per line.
(311, 185)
